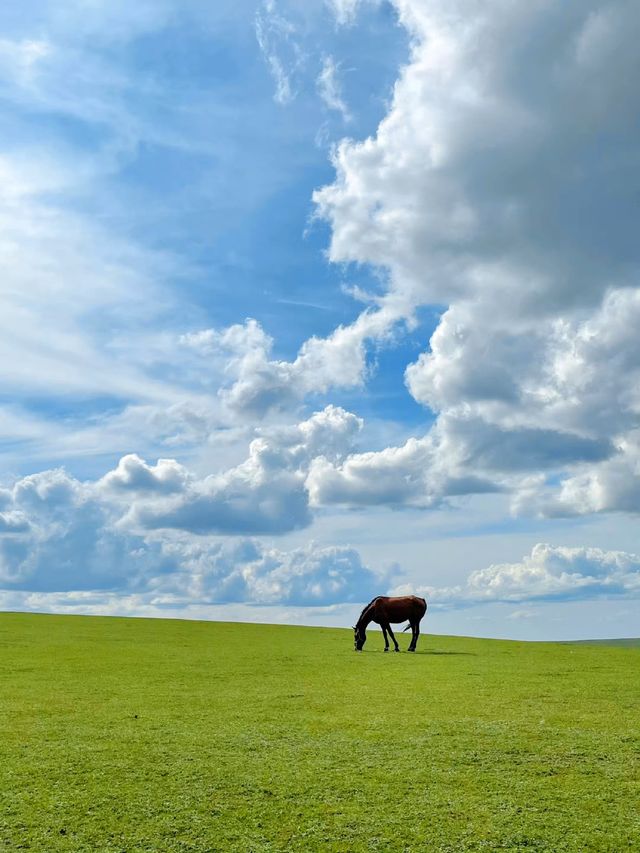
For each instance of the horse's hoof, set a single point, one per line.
(396, 650)
(386, 650)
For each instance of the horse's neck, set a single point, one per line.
(366, 617)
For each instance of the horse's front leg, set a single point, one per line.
(395, 642)
(386, 638)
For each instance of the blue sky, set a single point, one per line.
(304, 303)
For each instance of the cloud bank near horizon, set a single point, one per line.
(142, 531)
(548, 573)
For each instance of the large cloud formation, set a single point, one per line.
(147, 530)
(116, 536)
(502, 185)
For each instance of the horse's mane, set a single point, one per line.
(366, 607)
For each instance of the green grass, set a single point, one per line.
(152, 735)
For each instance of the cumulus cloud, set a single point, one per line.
(13, 522)
(257, 383)
(577, 373)
(612, 486)
(484, 191)
(133, 474)
(557, 572)
(414, 474)
(549, 573)
(245, 571)
(123, 529)
(459, 188)
(266, 493)
(487, 446)
(131, 531)
(58, 535)
(461, 455)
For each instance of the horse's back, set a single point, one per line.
(400, 607)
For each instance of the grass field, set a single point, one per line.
(152, 735)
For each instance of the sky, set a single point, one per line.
(308, 303)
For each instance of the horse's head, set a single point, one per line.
(359, 638)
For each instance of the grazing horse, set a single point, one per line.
(385, 610)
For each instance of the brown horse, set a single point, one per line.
(385, 610)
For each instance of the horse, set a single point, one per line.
(383, 610)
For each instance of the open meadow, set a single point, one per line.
(158, 735)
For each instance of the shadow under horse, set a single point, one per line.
(387, 609)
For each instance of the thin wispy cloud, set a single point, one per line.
(330, 88)
(277, 39)
(344, 10)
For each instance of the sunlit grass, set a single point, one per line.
(153, 735)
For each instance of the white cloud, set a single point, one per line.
(345, 11)
(396, 475)
(330, 88)
(66, 540)
(132, 474)
(266, 493)
(461, 455)
(19, 59)
(244, 571)
(557, 572)
(573, 373)
(13, 522)
(276, 36)
(52, 293)
(457, 192)
(484, 190)
(549, 573)
(78, 301)
(58, 535)
(611, 486)
(259, 383)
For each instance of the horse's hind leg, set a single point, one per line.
(395, 642)
(414, 639)
(386, 638)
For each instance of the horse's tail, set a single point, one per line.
(407, 628)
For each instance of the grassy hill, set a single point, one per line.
(630, 642)
(151, 735)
